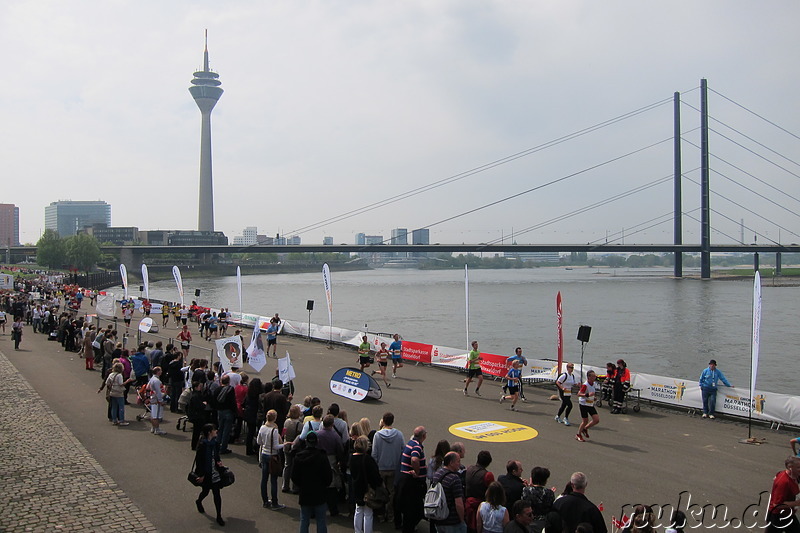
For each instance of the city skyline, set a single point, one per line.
(331, 111)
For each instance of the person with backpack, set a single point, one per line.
(444, 502)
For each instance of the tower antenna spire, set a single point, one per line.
(205, 54)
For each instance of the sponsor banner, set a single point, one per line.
(263, 322)
(417, 351)
(355, 385)
(244, 319)
(733, 401)
(493, 431)
(229, 352)
(493, 364)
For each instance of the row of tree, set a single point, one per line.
(80, 252)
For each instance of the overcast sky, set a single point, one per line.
(331, 106)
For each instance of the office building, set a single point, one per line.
(361, 239)
(68, 217)
(420, 236)
(327, 241)
(9, 225)
(249, 237)
(121, 235)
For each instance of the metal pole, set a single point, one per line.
(678, 227)
(705, 210)
(777, 263)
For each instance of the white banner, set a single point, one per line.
(256, 357)
(123, 272)
(229, 352)
(239, 286)
(326, 281)
(106, 304)
(176, 273)
(285, 369)
(146, 282)
(7, 281)
(466, 301)
(756, 341)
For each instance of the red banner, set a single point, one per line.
(418, 352)
(559, 332)
(494, 365)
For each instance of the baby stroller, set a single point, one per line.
(183, 401)
(143, 399)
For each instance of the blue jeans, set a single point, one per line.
(272, 479)
(709, 400)
(319, 511)
(117, 409)
(225, 418)
(455, 528)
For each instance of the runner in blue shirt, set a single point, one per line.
(514, 377)
(396, 349)
(517, 357)
(272, 338)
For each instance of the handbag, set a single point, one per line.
(376, 498)
(275, 460)
(276, 465)
(226, 477)
(193, 477)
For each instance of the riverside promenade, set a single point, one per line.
(65, 468)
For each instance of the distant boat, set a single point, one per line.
(568, 268)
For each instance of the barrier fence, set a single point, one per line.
(678, 392)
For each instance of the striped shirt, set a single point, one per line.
(411, 450)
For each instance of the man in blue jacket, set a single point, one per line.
(141, 366)
(709, 379)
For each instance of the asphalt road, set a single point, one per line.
(657, 456)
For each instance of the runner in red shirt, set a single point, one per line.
(782, 501)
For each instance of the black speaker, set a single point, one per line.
(197, 292)
(310, 305)
(141, 288)
(584, 332)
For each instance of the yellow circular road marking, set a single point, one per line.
(493, 431)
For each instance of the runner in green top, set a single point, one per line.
(474, 368)
(363, 353)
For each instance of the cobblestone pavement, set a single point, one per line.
(48, 480)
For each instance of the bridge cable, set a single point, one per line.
(478, 169)
(756, 114)
(552, 182)
(748, 210)
(743, 171)
(588, 207)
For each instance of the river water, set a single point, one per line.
(659, 325)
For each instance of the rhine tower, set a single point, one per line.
(206, 91)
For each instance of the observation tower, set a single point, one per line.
(206, 91)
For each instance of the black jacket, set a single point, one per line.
(312, 473)
(576, 508)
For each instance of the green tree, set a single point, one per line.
(83, 251)
(50, 250)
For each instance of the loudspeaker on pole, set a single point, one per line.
(310, 305)
(584, 332)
